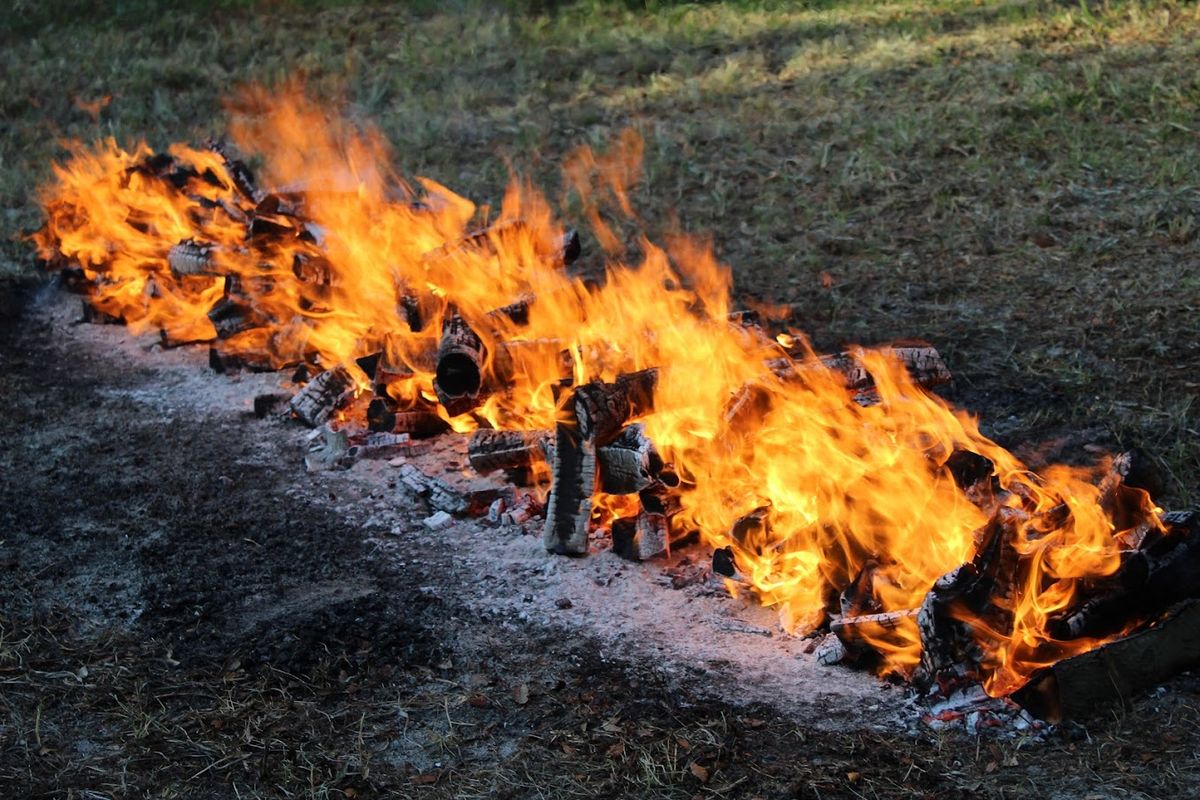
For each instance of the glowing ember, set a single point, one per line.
(812, 491)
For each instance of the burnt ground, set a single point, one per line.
(179, 621)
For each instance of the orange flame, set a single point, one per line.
(840, 485)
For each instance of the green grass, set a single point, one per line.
(1014, 181)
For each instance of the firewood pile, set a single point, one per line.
(419, 395)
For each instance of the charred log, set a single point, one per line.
(604, 408)
(190, 257)
(573, 485)
(491, 450)
(91, 315)
(324, 394)
(629, 463)
(922, 362)
(1164, 571)
(459, 376)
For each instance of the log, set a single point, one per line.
(630, 463)
(602, 409)
(1084, 685)
(490, 450)
(384, 416)
(519, 356)
(190, 257)
(255, 359)
(239, 173)
(470, 500)
(572, 486)
(231, 316)
(922, 361)
(1163, 571)
(459, 375)
(315, 403)
(647, 534)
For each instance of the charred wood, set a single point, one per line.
(491, 450)
(602, 409)
(1164, 571)
(190, 257)
(1082, 685)
(91, 315)
(573, 484)
(324, 394)
(459, 376)
(629, 463)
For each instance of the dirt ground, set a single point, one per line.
(183, 618)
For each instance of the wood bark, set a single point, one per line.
(630, 463)
(602, 409)
(491, 450)
(569, 512)
(315, 403)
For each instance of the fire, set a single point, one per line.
(813, 491)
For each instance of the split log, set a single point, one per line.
(1082, 685)
(490, 450)
(602, 409)
(630, 463)
(459, 375)
(324, 394)
(572, 487)
(647, 534)
(887, 620)
(190, 257)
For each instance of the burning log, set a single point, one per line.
(190, 257)
(922, 361)
(648, 534)
(239, 173)
(384, 416)
(324, 394)
(574, 482)
(491, 450)
(459, 375)
(980, 589)
(1081, 685)
(231, 316)
(630, 463)
(1164, 570)
(602, 409)
(252, 359)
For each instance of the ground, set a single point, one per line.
(1012, 182)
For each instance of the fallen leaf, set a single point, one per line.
(615, 751)
(478, 700)
(521, 694)
(700, 771)
(427, 778)
(826, 280)
(854, 777)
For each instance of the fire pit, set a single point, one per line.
(640, 412)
